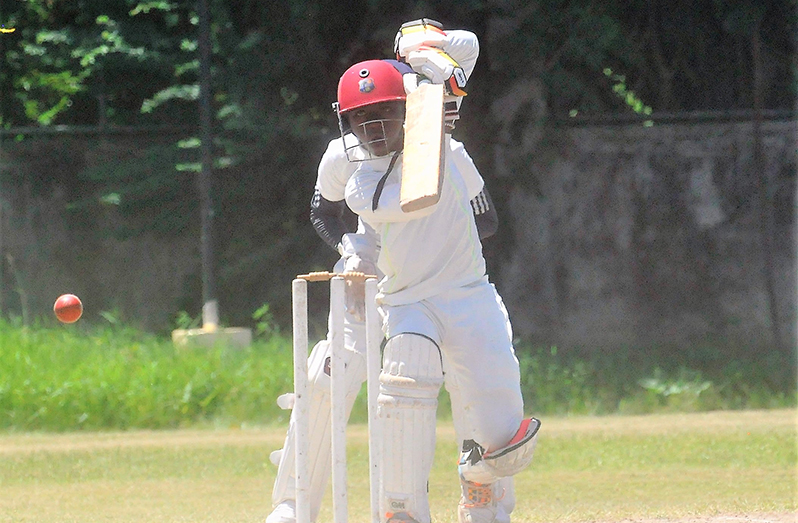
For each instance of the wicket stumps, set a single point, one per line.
(338, 391)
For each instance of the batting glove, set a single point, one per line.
(412, 35)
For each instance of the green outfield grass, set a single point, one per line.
(602, 468)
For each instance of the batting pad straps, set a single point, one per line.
(404, 392)
(412, 372)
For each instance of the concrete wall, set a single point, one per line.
(613, 235)
(652, 235)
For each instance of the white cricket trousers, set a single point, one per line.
(471, 327)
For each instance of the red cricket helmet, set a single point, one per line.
(370, 82)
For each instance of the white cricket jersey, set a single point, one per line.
(427, 251)
(335, 168)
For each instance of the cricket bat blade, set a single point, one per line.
(423, 157)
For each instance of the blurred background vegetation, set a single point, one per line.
(114, 70)
(114, 377)
(276, 64)
(124, 75)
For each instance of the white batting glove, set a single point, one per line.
(412, 35)
(356, 290)
(440, 68)
(357, 250)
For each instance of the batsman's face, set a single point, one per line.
(379, 127)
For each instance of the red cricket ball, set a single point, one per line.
(68, 308)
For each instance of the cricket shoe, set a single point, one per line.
(480, 503)
(284, 512)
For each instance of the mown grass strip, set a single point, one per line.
(608, 468)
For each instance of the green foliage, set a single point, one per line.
(687, 383)
(63, 57)
(148, 183)
(83, 377)
(637, 382)
(284, 56)
(173, 92)
(266, 325)
(628, 96)
(185, 321)
(566, 45)
(274, 72)
(61, 378)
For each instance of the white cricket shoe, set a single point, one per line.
(284, 512)
(481, 503)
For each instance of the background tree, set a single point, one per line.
(274, 75)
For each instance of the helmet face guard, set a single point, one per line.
(366, 139)
(363, 84)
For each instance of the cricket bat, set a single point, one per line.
(422, 165)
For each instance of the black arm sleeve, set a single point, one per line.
(485, 214)
(328, 219)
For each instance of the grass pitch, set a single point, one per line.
(678, 467)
